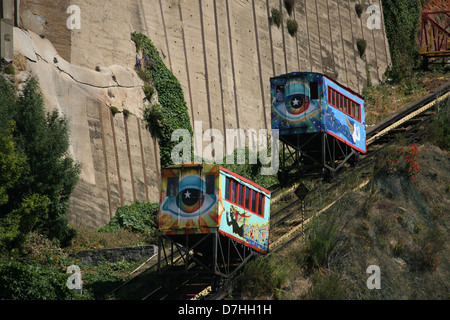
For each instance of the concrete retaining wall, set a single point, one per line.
(129, 254)
(223, 53)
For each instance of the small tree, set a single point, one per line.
(48, 175)
(361, 44)
(276, 17)
(292, 27)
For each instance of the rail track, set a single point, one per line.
(290, 221)
(407, 123)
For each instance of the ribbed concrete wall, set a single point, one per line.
(222, 51)
(118, 155)
(121, 149)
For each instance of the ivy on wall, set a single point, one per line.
(402, 23)
(173, 112)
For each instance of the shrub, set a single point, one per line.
(38, 200)
(149, 91)
(361, 44)
(144, 75)
(438, 131)
(425, 255)
(10, 70)
(126, 112)
(292, 27)
(137, 217)
(321, 244)
(114, 110)
(402, 160)
(32, 282)
(155, 118)
(242, 166)
(276, 17)
(326, 288)
(260, 278)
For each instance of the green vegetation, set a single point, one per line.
(361, 44)
(10, 70)
(33, 282)
(114, 110)
(261, 278)
(292, 27)
(321, 246)
(276, 17)
(38, 271)
(438, 132)
(402, 21)
(155, 115)
(37, 173)
(387, 98)
(173, 112)
(326, 287)
(126, 113)
(401, 160)
(37, 177)
(138, 217)
(396, 222)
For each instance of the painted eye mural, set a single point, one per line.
(296, 104)
(292, 100)
(192, 200)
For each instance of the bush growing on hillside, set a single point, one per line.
(292, 27)
(323, 241)
(138, 217)
(438, 131)
(401, 160)
(260, 278)
(276, 17)
(32, 282)
(359, 9)
(36, 145)
(326, 287)
(361, 44)
(155, 116)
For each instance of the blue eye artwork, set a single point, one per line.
(191, 200)
(292, 100)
